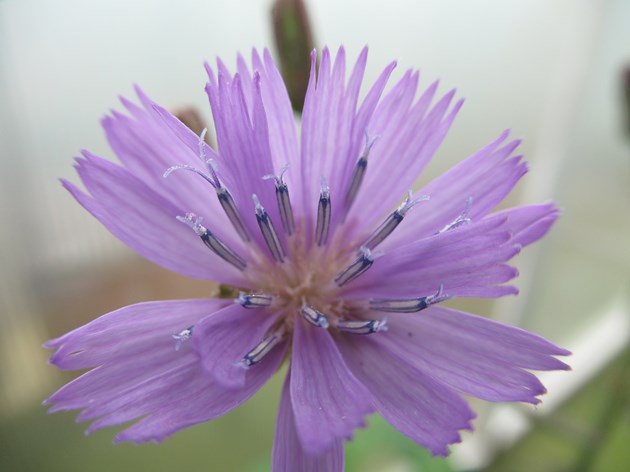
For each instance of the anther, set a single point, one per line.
(224, 196)
(268, 231)
(211, 241)
(262, 349)
(409, 305)
(314, 317)
(359, 172)
(323, 214)
(182, 336)
(392, 221)
(361, 327)
(461, 220)
(253, 300)
(211, 165)
(359, 266)
(230, 209)
(284, 202)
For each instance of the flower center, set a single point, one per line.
(305, 278)
(306, 273)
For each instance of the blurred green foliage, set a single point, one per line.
(589, 433)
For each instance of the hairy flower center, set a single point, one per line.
(305, 278)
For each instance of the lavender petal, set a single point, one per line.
(420, 407)
(328, 401)
(288, 455)
(221, 341)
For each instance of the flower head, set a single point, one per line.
(342, 270)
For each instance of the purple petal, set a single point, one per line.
(322, 106)
(393, 107)
(471, 256)
(283, 140)
(468, 261)
(356, 78)
(221, 340)
(328, 401)
(145, 221)
(191, 141)
(487, 176)
(244, 149)
(360, 126)
(288, 454)
(130, 330)
(411, 400)
(529, 223)
(409, 137)
(473, 355)
(309, 115)
(198, 400)
(246, 78)
(130, 346)
(145, 144)
(141, 373)
(333, 132)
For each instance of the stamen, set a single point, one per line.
(268, 231)
(210, 240)
(323, 214)
(393, 220)
(212, 178)
(210, 164)
(284, 202)
(409, 305)
(262, 349)
(253, 300)
(230, 209)
(361, 327)
(205, 176)
(363, 263)
(224, 196)
(182, 336)
(314, 317)
(359, 173)
(461, 220)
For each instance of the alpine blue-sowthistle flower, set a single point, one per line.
(341, 269)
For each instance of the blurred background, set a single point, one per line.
(553, 72)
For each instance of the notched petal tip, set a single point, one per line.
(141, 93)
(563, 352)
(511, 290)
(559, 365)
(53, 343)
(121, 438)
(363, 54)
(458, 105)
(256, 79)
(128, 436)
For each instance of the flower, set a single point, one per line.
(332, 279)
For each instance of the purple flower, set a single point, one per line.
(332, 279)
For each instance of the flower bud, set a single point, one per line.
(294, 42)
